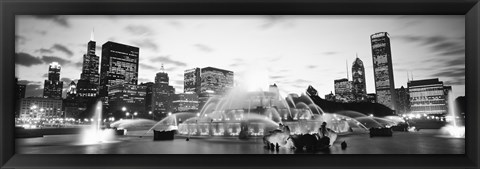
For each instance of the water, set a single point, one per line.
(422, 142)
(452, 129)
(94, 134)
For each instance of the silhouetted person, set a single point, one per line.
(323, 129)
(272, 146)
(188, 139)
(277, 147)
(344, 145)
(268, 145)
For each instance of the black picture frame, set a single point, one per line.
(10, 8)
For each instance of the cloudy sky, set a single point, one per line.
(291, 51)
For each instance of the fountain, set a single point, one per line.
(94, 134)
(453, 129)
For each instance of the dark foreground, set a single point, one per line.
(422, 142)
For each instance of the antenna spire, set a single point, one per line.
(408, 79)
(346, 66)
(91, 35)
(162, 69)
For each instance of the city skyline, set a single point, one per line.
(280, 40)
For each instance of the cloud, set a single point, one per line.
(27, 82)
(145, 43)
(312, 66)
(329, 53)
(237, 62)
(63, 49)
(302, 81)
(458, 81)
(167, 60)
(452, 76)
(139, 30)
(44, 51)
(56, 47)
(443, 45)
(78, 64)
(178, 82)
(170, 69)
(274, 20)
(66, 81)
(276, 77)
(26, 59)
(20, 39)
(176, 24)
(35, 90)
(59, 19)
(145, 66)
(45, 75)
(50, 59)
(203, 48)
(454, 62)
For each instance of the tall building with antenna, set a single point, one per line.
(89, 78)
(383, 69)
(90, 63)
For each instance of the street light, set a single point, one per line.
(124, 109)
(134, 114)
(150, 113)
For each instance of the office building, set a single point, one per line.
(186, 102)
(119, 66)
(428, 96)
(383, 69)
(344, 90)
(192, 80)
(216, 80)
(37, 107)
(53, 86)
(358, 80)
(130, 96)
(403, 100)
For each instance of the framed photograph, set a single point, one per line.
(190, 84)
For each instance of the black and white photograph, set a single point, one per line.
(240, 84)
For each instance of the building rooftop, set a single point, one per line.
(424, 82)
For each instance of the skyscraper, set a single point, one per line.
(90, 64)
(383, 69)
(192, 80)
(20, 89)
(53, 86)
(162, 77)
(217, 80)
(403, 100)
(119, 66)
(162, 94)
(72, 91)
(358, 78)
(343, 90)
